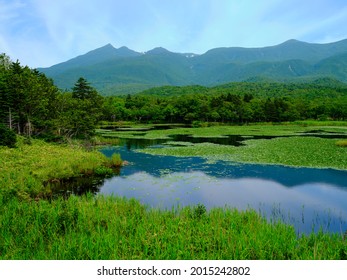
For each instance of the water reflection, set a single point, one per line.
(305, 197)
(308, 207)
(286, 176)
(232, 140)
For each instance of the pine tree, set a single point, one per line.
(83, 90)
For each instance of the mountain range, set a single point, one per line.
(115, 71)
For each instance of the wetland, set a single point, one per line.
(270, 192)
(177, 167)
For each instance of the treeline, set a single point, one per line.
(236, 103)
(31, 105)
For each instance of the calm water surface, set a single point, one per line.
(308, 198)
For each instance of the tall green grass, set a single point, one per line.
(26, 167)
(106, 228)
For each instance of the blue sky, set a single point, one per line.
(41, 33)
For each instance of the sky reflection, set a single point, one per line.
(305, 197)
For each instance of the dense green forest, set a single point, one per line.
(240, 102)
(31, 105)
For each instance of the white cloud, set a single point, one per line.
(43, 32)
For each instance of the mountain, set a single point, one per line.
(122, 70)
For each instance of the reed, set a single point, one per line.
(108, 228)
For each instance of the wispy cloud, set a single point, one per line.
(43, 32)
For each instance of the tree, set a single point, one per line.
(5, 61)
(7, 136)
(74, 119)
(79, 111)
(83, 90)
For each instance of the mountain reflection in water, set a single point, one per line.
(308, 198)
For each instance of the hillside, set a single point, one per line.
(114, 71)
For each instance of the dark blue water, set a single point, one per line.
(308, 198)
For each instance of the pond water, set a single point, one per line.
(307, 198)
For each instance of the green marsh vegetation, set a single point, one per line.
(292, 144)
(100, 227)
(103, 228)
(24, 169)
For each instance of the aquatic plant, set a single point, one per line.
(297, 150)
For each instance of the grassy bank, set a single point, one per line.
(115, 228)
(295, 145)
(26, 167)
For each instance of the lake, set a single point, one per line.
(308, 198)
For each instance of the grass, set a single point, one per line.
(105, 228)
(341, 143)
(24, 169)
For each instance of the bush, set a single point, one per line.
(7, 136)
(103, 171)
(116, 160)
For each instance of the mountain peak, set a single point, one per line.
(158, 50)
(292, 41)
(107, 49)
(109, 68)
(109, 46)
(125, 52)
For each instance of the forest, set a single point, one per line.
(237, 103)
(32, 105)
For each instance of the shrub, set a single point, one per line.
(7, 136)
(116, 160)
(103, 171)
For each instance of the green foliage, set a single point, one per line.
(27, 100)
(25, 168)
(32, 105)
(115, 160)
(103, 171)
(76, 118)
(7, 136)
(199, 211)
(82, 90)
(236, 102)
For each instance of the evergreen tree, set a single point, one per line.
(83, 90)
(7, 136)
(79, 111)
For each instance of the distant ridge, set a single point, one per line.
(115, 71)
